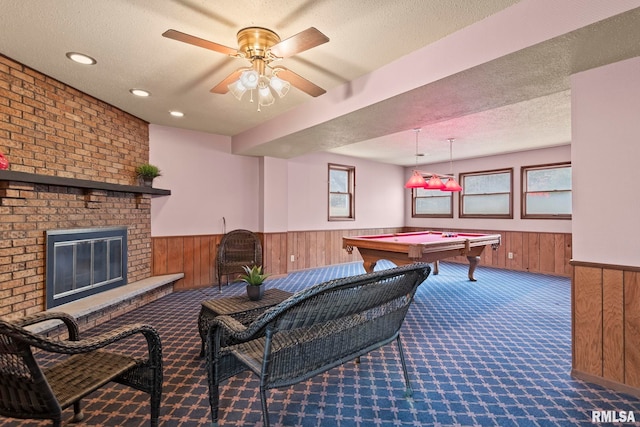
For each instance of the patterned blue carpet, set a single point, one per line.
(496, 352)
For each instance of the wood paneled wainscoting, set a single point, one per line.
(606, 325)
(282, 253)
(285, 252)
(548, 253)
(194, 256)
(324, 247)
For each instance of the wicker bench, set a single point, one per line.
(31, 391)
(313, 331)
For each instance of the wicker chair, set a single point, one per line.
(313, 331)
(31, 391)
(237, 248)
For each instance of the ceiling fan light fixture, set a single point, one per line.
(237, 89)
(250, 79)
(265, 98)
(279, 86)
(261, 46)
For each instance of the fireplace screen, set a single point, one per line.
(84, 262)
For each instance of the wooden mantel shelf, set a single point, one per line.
(33, 178)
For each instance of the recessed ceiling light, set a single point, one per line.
(176, 113)
(81, 58)
(140, 92)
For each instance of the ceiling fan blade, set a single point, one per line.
(196, 41)
(223, 86)
(299, 82)
(300, 42)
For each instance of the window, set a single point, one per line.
(432, 203)
(341, 192)
(546, 191)
(487, 194)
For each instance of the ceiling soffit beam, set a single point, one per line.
(539, 70)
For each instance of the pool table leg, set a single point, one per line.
(369, 265)
(473, 263)
(436, 267)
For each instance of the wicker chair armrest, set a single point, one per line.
(44, 316)
(227, 325)
(241, 333)
(94, 343)
(236, 332)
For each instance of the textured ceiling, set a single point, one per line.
(514, 101)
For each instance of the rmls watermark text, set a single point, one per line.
(613, 417)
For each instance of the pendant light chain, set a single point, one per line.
(417, 131)
(451, 156)
(452, 184)
(416, 180)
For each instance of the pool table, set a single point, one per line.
(424, 246)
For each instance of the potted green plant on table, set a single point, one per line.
(146, 173)
(254, 278)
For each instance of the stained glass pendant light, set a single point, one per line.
(434, 183)
(416, 180)
(452, 184)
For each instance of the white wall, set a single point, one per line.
(378, 193)
(274, 200)
(207, 183)
(513, 160)
(606, 156)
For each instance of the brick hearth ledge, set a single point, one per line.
(84, 308)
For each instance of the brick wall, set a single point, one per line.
(49, 128)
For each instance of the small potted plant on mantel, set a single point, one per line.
(146, 173)
(254, 278)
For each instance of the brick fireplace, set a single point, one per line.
(83, 262)
(72, 165)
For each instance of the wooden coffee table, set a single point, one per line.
(239, 307)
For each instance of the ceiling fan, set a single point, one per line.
(263, 48)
